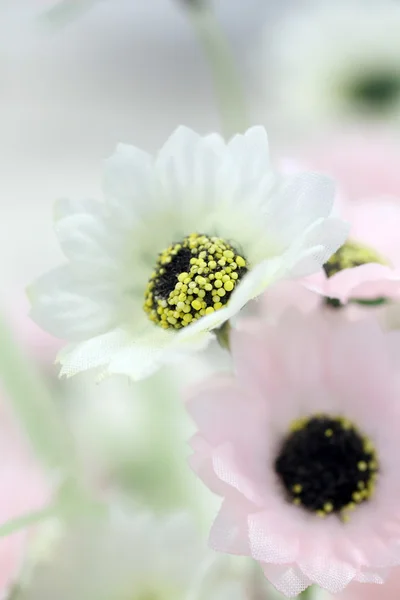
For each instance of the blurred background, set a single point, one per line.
(323, 76)
(131, 70)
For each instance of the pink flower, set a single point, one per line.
(390, 590)
(24, 489)
(367, 266)
(302, 443)
(294, 294)
(39, 345)
(364, 163)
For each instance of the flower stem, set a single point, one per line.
(69, 503)
(28, 519)
(228, 89)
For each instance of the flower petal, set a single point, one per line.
(288, 579)
(92, 353)
(316, 246)
(229, 530)
(187, 167)
(129, 184)
(69, 308)
(297, 202)
(91, 240)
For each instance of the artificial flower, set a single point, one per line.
(132, 557)
(366, 268)
(332, 63)
(302, 443)
(390, 590)
(182, 242)
(25, 489)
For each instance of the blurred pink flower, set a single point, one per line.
(39, 345)
(302, 444)
(390, 590)
(294, 294)
(374, 250)
(364, 163)
(24, 489)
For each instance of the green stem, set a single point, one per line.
(228, 89)
(27, 520)
(71, 502)
(35, 408)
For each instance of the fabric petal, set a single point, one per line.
(297, 202)
(250, 153)
(270, 542)
(316, 246)
(69, 308)
(229, 530)
(187, 167)
(91, 241)
(92, 353)
(288, 579)
(129, 183)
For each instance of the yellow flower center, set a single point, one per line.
(192, 278)
(352, 254)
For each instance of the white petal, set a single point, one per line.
(250, 153)
(91, 241)
(69, 308)
(64, 207)
(154, 347)
(205, 324)
(256, 281)
(187, 167)
(92, 353)
(246, 179)
(316, 246)
(136, 361)
(143, 354)
(296, 203)
(129, 183)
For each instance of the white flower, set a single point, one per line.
(129, 557)
(183, 241)
(334, 62)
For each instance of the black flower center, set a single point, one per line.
(326, 465)
(192, 278)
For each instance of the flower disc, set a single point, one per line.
(326, 465)
(193, 278)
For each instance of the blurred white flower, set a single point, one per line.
(183, 241)
(132, 439)
(128, 557)
(333, 62)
